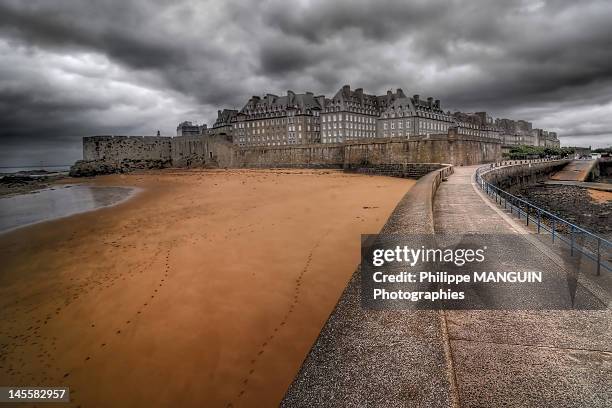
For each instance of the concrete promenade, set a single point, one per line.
(520, 358)
(452, 359)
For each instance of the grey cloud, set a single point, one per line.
(119, 66)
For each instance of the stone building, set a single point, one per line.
(224, 125)
(279, 120)
(515, 132)
(297, 119)
(477, 124)
(544, 138)
(406, 117)
(351, 115)
(189, 129)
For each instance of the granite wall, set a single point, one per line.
(103, 154)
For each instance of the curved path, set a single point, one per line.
(520, 358)
(454, 359)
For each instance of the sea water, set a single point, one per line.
(57, 202)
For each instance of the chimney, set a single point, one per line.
(430, 101)
(437, 104)
(400, 93)
(416, 99)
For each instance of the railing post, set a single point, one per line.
(554, 224)
(539, 216)
(572, 241)
(598, 256)
(527, 214)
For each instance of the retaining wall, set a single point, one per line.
(368, 358)
(513, 176)
(115, 149)
(120, 153)
(431, 149)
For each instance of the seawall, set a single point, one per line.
(107, 154)
(431, 149)
(370, 358)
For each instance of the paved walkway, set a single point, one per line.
(520, 358)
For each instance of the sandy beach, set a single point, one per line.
(206, 289)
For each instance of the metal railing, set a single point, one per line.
(578, 239)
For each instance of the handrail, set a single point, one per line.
(538, 217)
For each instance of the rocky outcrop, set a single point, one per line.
(88, 168)
(573, 204)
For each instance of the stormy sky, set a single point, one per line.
(75, 68)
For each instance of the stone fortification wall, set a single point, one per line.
(408, 170)
(433, 149)
(188, 151)
(104, 154)
(116, 149)
(315, 156)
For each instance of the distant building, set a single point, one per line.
(514, 132)
(188, 129)
(581, 151)
(544, 138)
(351, 115)
(279, 120)
(406, 117)
(477, 124)
(224, 125)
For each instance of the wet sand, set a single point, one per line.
(600, 196)
(206, 289)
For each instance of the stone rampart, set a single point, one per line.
(115, 149)
(432, 149)
(408, 170)
(103, 154)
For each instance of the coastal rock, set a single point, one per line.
(85, 168)
(572, 204)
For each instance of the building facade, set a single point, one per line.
(351, 115)
(409, 117)
(478, 124)
(189, 129)
(279, 120)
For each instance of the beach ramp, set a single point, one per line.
(576, 170)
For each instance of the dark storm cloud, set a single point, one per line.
(378, 20)
(114, 66)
